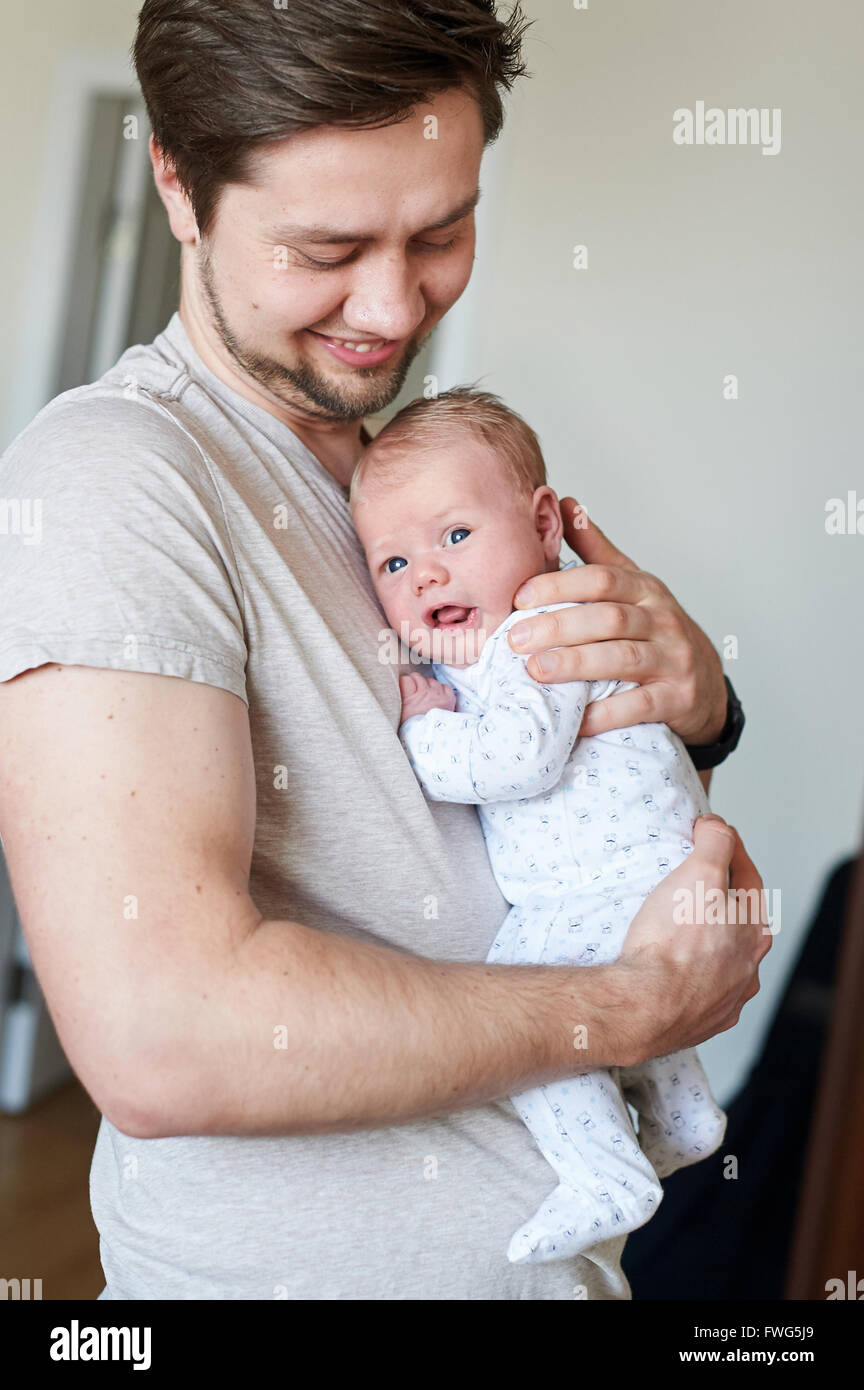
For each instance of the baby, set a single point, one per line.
(451, 504)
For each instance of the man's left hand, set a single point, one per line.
(632, 630)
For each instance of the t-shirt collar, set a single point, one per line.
(276, 430)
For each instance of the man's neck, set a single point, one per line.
(336, 445)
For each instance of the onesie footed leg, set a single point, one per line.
(679, 1121)
(606, 1185)
(668, 1147)
(569, 1222)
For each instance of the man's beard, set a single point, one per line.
(302, 387)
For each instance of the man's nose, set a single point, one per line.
(386, 298)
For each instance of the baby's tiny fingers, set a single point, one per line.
(446, 691)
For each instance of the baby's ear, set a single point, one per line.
(548, 521)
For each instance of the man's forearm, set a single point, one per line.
(305, 1031)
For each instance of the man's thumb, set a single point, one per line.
(714, 840)
(583, 535)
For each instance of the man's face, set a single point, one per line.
(336, 238)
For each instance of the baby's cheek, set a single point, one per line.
(397, 618)
(393, 610)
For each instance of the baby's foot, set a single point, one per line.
(669, 1147)
(568, 1223)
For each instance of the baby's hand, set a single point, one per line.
(422, 693)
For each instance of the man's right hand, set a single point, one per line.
(690, 980)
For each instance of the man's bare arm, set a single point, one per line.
(127, 811)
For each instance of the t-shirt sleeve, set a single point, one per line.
(116, 550)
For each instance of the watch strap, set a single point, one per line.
(707, 755)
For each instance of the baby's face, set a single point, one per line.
(448, 548)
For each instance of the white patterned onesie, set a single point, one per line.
(578, 831)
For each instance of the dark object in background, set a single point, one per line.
(729, 1238)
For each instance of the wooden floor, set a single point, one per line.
(46, 1230)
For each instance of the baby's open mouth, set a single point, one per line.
(452, 615)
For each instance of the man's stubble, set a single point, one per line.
(302, 387)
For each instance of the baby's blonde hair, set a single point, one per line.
(424, 423)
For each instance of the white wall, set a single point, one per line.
(49, 50)
(703, 261)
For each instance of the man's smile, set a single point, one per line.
(362, 352)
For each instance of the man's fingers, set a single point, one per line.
(589, 542)
(620, 711)
(714, 842)
(745, 878)
(591, 583)
(593, 621)
(720, 846)
(743, 872)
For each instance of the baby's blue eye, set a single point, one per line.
(459, 531)
(395, 560)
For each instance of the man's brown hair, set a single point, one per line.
(221, 78)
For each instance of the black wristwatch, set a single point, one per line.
(712, 754)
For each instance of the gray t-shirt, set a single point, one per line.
(187, 532)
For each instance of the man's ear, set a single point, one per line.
(177, 204)
(548, 522)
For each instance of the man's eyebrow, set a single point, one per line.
(298, 232)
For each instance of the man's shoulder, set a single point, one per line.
(135, 411)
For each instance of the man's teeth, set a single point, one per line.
(359, 347)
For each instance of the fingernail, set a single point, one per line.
(522, 634)
(525, 594)
(547, 663)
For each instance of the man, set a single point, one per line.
(262, 948)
